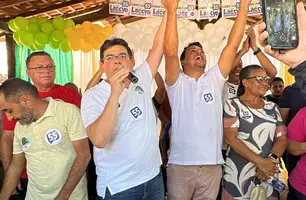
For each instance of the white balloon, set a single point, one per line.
(192, 27)
(220, 31)
(206, 47)
(190, 39)
(149, 29)
(180, 23)
(209, 29)
(127, 36)
(119, 29)
(224, 22)
(215, 51)
(214, 42)
(199, 36)
(183, 34)
(147, 40)
(136, 27)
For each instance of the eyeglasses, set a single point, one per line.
(41, 68)
(260, 79)
(121, 56)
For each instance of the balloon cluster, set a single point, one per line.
(36, 33)
(87, 36)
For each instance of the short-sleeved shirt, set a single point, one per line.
(269, 97)
(132, 156)
(197, 132)
(293, 99)
(47, 145)
(297, 132)
(57, 92)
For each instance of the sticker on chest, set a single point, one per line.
(232, 90)
(53, 137)
(136, 112)
(208, 97)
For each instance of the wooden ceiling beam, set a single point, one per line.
(84, 12)
(4, 4)
(95, 16)
(46, 9)
(4, 27)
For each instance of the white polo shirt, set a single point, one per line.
(229, 91)
(197, 128)
(132, 156)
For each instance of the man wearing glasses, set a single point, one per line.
(120, 122)
(41, 70)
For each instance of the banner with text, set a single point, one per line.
(119, 7)
(208, 9)
(230, 8)
(186, 9)
(141, 8)
(158, 10)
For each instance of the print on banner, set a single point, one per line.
(53, 137)
(158, 10)
(136, 112)
(186, 9)
(141, 8)
(230, 8)
(119, 7)
(208, 9)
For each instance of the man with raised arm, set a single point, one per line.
(120, 122)
(194, 169)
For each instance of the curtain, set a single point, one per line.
(288, 78)
(63, 61)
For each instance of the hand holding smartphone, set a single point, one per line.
(281, 23)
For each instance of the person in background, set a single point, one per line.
(276, 88)
(297, 147)
(73, 87)
(120, 121)
(194, 166)
(50, 136)
(41, 70)
(254, 131)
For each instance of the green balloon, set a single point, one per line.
(42, 20)
(33, 28)
(53, 44)
(69, 22)
(41, 38)
(64, 45)
(47, 28)
(11, 25)
(20, 23)
(58, 35)
(27, 39)
(17, 35)
(33, 19)
(38, 47)
(31, 47)
(59, 23)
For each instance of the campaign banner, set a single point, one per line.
(119, 7)
(140, 8)
(230, 8)
(208, 9)
(186, 9)
(157, 10)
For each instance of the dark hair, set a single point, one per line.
(183, 54)
(14, 88)
(37, 53)
(244, 74)
(277, 79)
(112, 42)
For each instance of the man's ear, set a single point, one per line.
(24, 100)
(102, 66)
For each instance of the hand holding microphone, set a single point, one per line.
(131, 75)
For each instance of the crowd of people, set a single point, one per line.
(221, 135)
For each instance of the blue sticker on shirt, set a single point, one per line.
(53, 137)
(136, 112)
(208, 97)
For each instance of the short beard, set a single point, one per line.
(27, 116)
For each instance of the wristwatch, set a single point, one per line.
(273, 156)
(257, 51)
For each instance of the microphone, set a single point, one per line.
(131, 76)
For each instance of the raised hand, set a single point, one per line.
(117, 82)
(246, 45)
(170, 5)
(293, 57)
(251, 34)
(245, 3)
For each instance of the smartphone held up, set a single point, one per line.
(281, 23)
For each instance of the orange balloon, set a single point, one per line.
(74, 43)
(100, 38)
(97, 28)
(80, 32)
(89, 39)
(96, 46)
(87, 26)
(69, 31)
(78, 26)
(85, 47)
(108, 30)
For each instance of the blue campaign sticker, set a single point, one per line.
(208, 97)
(53, 137)
(136, 112)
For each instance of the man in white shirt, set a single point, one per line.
(120, 122)
(194, 169)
